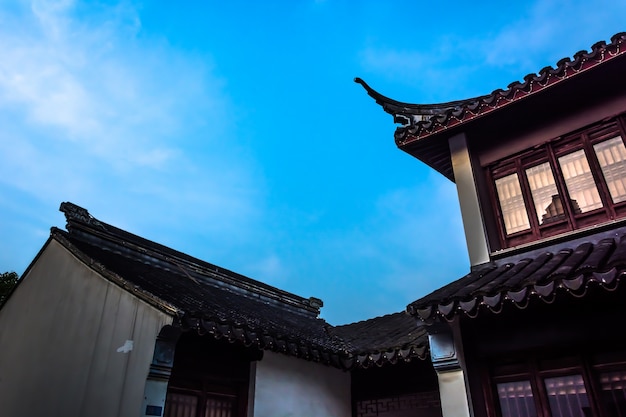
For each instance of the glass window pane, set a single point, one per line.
(567, 396)
(516, 399)
(613, 394)
(612, 157)
(512, 204)
(579, 181)
(180, 405)
(547, 201)
(219, 406)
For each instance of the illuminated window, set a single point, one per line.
(560, 389)
(579, 181)
(516, 399)
(613, 394)
(574, 182)
(548, 205)
(567, 396)
(512, 204)
(612, 158)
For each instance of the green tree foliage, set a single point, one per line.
(7, 282)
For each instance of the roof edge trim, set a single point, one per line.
(396, 108)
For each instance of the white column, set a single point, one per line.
(473, 222)
(155, 390)
(447, 360)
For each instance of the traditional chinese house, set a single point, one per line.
(536, 328)
(106, 323)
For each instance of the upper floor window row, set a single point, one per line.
(566, 184)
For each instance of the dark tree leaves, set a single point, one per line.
(7, 282)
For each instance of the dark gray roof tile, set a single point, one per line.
(219, 303)
(573, 270)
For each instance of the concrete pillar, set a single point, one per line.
(446, 356)
(473, 222)
(155, 390)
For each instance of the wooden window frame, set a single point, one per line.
(209, 391)
(536, 371)
(550, 151)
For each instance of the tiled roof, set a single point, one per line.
(220, 303)
(543, 276)
(421, 121)
(384, 339)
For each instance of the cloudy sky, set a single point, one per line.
(233, 131)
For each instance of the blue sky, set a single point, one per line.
(233, 131)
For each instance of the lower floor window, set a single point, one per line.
(567, 396)
(199, 404)
(583, 388)
(516, 399)
(613, 394)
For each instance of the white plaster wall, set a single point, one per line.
(286, 387)
(59, 338)
(453, 394)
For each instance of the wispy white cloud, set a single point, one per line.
(94, 85)
(270, 269)
(551, 30)
(98, 112)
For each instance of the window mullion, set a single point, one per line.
(594, 391)
(562, 188)
(621, 125)
(203, 399)
(497, 209)
(528, 201)
(598, 177)
(536, 382)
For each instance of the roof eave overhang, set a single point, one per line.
(151, 299)
(425, 129)
(597, 263)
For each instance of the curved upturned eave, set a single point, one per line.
(437, 118)
(395, 107)
(424, 125)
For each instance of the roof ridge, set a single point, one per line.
(84, 226)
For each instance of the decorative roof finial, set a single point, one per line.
(74, 213)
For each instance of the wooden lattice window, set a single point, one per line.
(203, 403)
(568, 387)
(569, 183)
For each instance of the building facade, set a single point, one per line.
(535, 328)
(106, 323)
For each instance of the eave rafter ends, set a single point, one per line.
(419, 121)
(544, 278)
(369, 360)
(338, 357)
